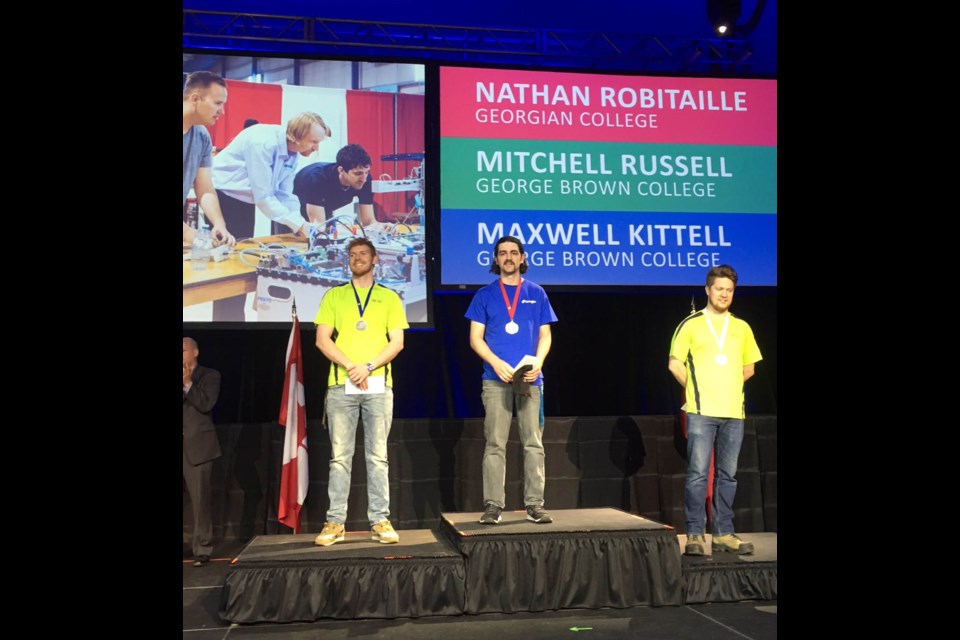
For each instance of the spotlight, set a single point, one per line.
(723, 16)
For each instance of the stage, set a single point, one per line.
(584, 559)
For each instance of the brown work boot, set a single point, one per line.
(696, 545)
(732, 543)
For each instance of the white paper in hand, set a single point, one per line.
(375, 384)
(531, 360)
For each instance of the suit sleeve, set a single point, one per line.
(205, 391)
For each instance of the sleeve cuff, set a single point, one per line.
(294, 222)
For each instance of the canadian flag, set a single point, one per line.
(293, 415)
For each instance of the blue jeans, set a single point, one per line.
(342, 413)
(703, 432)
(498, 402)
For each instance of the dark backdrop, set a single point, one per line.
(609, 358)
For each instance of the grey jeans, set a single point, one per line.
(343, 411)
(498, 403)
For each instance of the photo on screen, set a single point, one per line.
(608, 180)
(294, 211)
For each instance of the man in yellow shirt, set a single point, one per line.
(711, 355)
(360, 330)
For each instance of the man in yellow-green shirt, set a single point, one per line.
(711, 355)
(360, 330)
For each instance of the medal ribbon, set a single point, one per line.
(511, 309)
(367, 301)
(723, 332)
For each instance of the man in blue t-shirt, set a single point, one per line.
(510, 330)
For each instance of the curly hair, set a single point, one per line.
(494, 267)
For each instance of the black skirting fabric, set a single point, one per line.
(730, 583)
(398, 588)
(584, 570)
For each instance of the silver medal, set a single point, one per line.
(720, 359)
(512, 327)
(361, 325)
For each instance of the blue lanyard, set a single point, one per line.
(356, 295)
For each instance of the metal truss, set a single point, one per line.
(307, 35)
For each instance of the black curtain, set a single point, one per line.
(609, 357)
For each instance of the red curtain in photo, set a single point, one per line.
(370, 124)
(246, 100)
(410, 139)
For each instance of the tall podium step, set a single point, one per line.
(585, 558)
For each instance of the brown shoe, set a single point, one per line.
(383, 532)
(695, 545)
(332, 532)
(732, 543)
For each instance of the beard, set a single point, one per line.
(720, 306)
(361, 271)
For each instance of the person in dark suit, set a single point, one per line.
(201, 388)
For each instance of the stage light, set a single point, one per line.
(723, 16)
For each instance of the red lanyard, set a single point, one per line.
(511, 309)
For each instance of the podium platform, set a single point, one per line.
(728, 577)
(585, 558)
(287, 578)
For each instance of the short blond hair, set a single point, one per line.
(300, 125)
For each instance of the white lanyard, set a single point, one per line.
(720, 358)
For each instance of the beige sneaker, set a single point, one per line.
(383, 532)
(332, 532)
(732, 542)
(695, 545)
